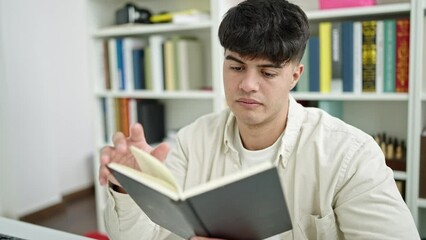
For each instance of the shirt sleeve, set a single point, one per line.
(368, 204)
(124, 220)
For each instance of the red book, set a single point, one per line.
(402, 54)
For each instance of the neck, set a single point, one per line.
(257, 137)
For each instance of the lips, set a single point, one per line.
(248, 102)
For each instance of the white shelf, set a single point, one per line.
(141, 29)
(400, 175)
(359, 11)
(158, 95)
(351, 96)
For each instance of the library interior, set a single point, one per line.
(91, 68)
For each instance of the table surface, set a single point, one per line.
(29, 231)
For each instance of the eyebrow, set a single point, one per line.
(268, 65)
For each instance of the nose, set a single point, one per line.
(250, 82)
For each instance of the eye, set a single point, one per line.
(268, 74)
(237, 68)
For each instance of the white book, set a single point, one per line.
(129, 44)
(111, 124)
(133, 111)
(112, 48)
(380, 55)
(357, 58)
(157, 63)
(190, 64)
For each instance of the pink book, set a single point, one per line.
(327, 4)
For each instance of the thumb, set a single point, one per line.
(161, 151)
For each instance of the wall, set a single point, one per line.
(46, 133)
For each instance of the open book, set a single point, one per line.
(249, 204)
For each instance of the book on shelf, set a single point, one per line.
(348, 56)
(389, 55)
(138, 69)
(150, 113)
(314, 64)
(379, 55)
(132, 51)
(190, 64)
(336, 58)
(157, 62)
(357, 71)
(325, 57)
(106, 65)
(249, 204)
(402, 54)
(112, 53)
(369, 56)
(120, 64)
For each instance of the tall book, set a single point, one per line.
(402, 54)
(314, 64)
(169, 65)
(124, 116)
(379, 55)
(112, 52)
(248, 204)
(389, 55)
(156, 53)
(107, 72)
(336, 57)
(150, 113)
(148, 68)
(357, 62)
(369, 56)
(325, 56)
(138, 69)
(120, 64)
(190, 64)
(303, 84)
(348, 56)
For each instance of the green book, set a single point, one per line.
(389, 56)
(148, 72)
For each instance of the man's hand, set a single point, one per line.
(120, 152)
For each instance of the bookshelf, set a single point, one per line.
(372, 112)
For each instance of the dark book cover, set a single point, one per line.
(314, 71)
(138, 57)
(150, 113)
(402, 54)
(348, 56)
(422, 169)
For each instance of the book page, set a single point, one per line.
(154, 167)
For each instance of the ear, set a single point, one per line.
(297, 72)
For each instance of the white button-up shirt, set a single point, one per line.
(334, 176)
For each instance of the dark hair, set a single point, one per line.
(275, 30)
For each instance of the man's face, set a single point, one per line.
(257, 90)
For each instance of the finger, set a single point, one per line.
(137, 137)
(119, 141)
(161, 151)
(105, 158)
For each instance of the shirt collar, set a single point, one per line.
(295, 117)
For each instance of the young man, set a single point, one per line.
(336, 183)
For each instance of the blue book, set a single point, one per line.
(314, 71)
(138, 57)
(389, 55)
(347, 56)
(120, 63)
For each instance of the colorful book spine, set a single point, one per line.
(120, 64)
(402, 54)
(369, 56)
(348, 56)
(389, 55)
(314, 64)
(325, 56)
(138, 59)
